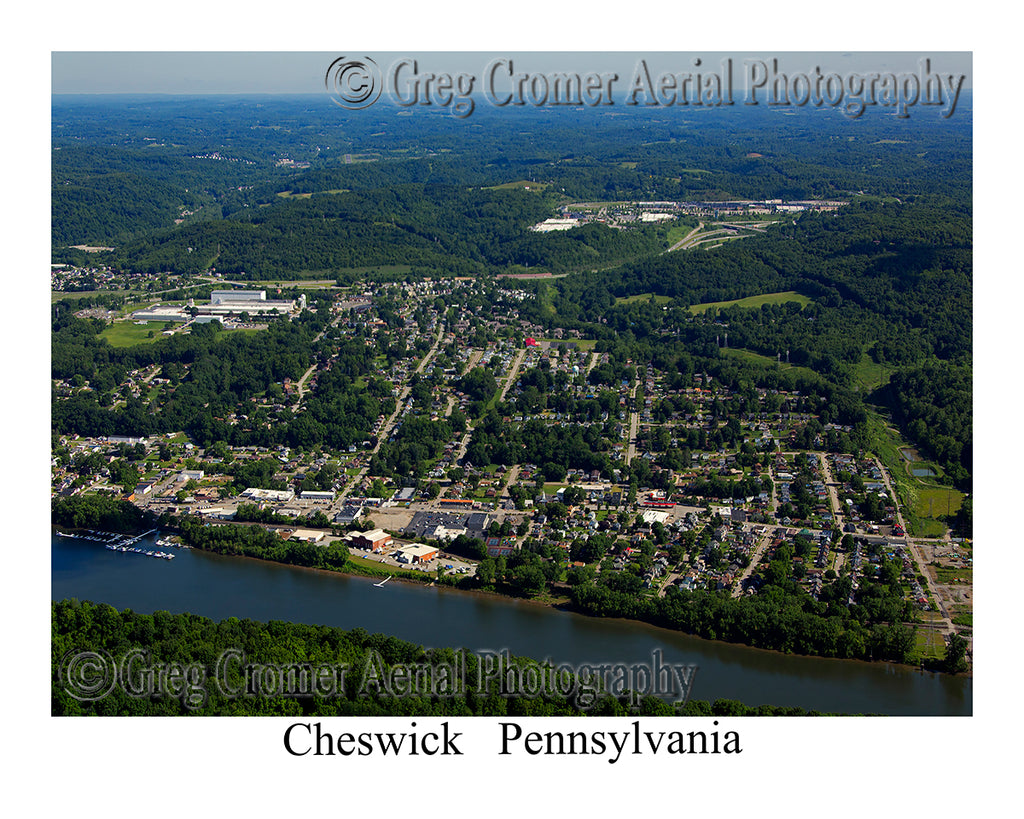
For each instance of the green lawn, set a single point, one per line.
(757, 358)
(679, 230)
(289, 194)
(581, 343)
(127, 334)
(929, 644)
(755, 301)
(374, 568)
(870, 375)
(951, 575)
(644, 297)
(521, 184)
(964, 618)
(935, 502)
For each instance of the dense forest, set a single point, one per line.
(153, 179)
(206, 686)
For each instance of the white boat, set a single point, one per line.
(382, 582)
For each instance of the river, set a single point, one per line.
(218, 587)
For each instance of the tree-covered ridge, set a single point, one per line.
(220, 155)
(907, 266)
(210, 685)
(125, 171)
(437, 228)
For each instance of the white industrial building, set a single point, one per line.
(274, 495)
(231, 296)
(416, 553)
(555, 224)
(650, 516)
(161, 314)
(222, 303)
(316, 495)
(254, 302)
(307, 535)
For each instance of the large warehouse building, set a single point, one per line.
(223, 303)
(253, 302)
(375, 540)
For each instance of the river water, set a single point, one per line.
(218, 587)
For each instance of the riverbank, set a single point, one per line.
(222, 586)
(565, 604)
(356, 566)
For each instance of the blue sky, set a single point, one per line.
(271, 72)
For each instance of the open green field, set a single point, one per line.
(754, 301)
(923, 503)
(871, 375)
(519, 185)
(127, 334)
(373, 568)
(952, 575)
(290, 195)
(962, 616)
(60, 295)
(757, 358)
(929, 645)
(581, 343)
(644, 297)
(678, 231)
(937, 501)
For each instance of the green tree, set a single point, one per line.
(956, 654)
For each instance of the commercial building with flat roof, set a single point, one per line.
(224, 296)
(274, 495)
(307, 535)
(375, 540)
(416, 553)
(316, 495)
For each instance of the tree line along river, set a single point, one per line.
(219, 587)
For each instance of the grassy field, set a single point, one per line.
(952, 575)
(374, 568)
(128, 334)
(519, 185)
(290, 195)
(755, 301)
(870, 375)
(937, 501)
(680, 230)
(581, 343)
(923, 503)
(929, 645)
(757, 358)
(60, 295)
(963, 616)
(644, 297)
(125, 334)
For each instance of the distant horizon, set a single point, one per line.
(303, 73)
